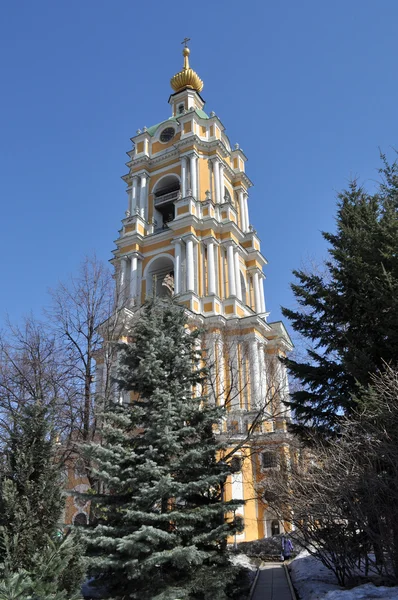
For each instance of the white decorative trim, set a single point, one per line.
(156, 185)
(162, 255)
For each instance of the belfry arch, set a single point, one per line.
(165, 192)
(159, 276)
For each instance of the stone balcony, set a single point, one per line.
(166, 198)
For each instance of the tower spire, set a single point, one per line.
(187, 78)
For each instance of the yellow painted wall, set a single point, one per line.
(204, 177)
(176, 170)
(250, 508)
(230, 188)
(153, 168)
(131, 248)
(148, 258)
(143, 290)
(181, 210)
(159, 146)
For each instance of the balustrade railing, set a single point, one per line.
(165, 198)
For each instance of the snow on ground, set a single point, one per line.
(313, 581)
(363, 592)
(310, 578)
(241, 560)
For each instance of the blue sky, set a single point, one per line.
(309, 90)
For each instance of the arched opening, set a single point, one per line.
(165, 193)
(159, 276)
(243, 286)
(236, 205)
(80, 519)
(80, 469)
(227, 196)
(275, 527)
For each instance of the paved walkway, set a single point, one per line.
(272, 583)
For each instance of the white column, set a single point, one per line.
(257, 298)
(211, 185)
(129, 193)
(216, 166)
(235, 391)
(196, 259)
(190, 266)
(211, 362)
(221, 374)
(184, 176)
(242, 211)
(211, 271)
(133, 197)
(231, 270)
(247, 222)
(261, 360)
(122, 280)
(177, 267)
(134, 276)
(144, 196)
(237, 276)
(221, 168)
(220, 260)
(194, 178)
(254, 373)
(262, 299)
(245, 381)
(198, 349)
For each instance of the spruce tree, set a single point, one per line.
(349, 315)
(50, 576)
(31, 499)
(31, 506)
(161, 529)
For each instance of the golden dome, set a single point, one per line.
(187, 78)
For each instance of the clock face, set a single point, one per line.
(167, 134)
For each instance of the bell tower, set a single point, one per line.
(187, 232)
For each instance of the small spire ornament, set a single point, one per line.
(187, 78)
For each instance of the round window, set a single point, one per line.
(167, 134)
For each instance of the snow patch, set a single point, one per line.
(364, 592)
(313, 581)
(241, 560)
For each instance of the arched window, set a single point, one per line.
(269, 459)
(243, 286)
(165, 193)
(80, 519)
(275, 527)
(80, 469)
(227, 196)
(270, 496)
(160, 277)
(236, 464)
